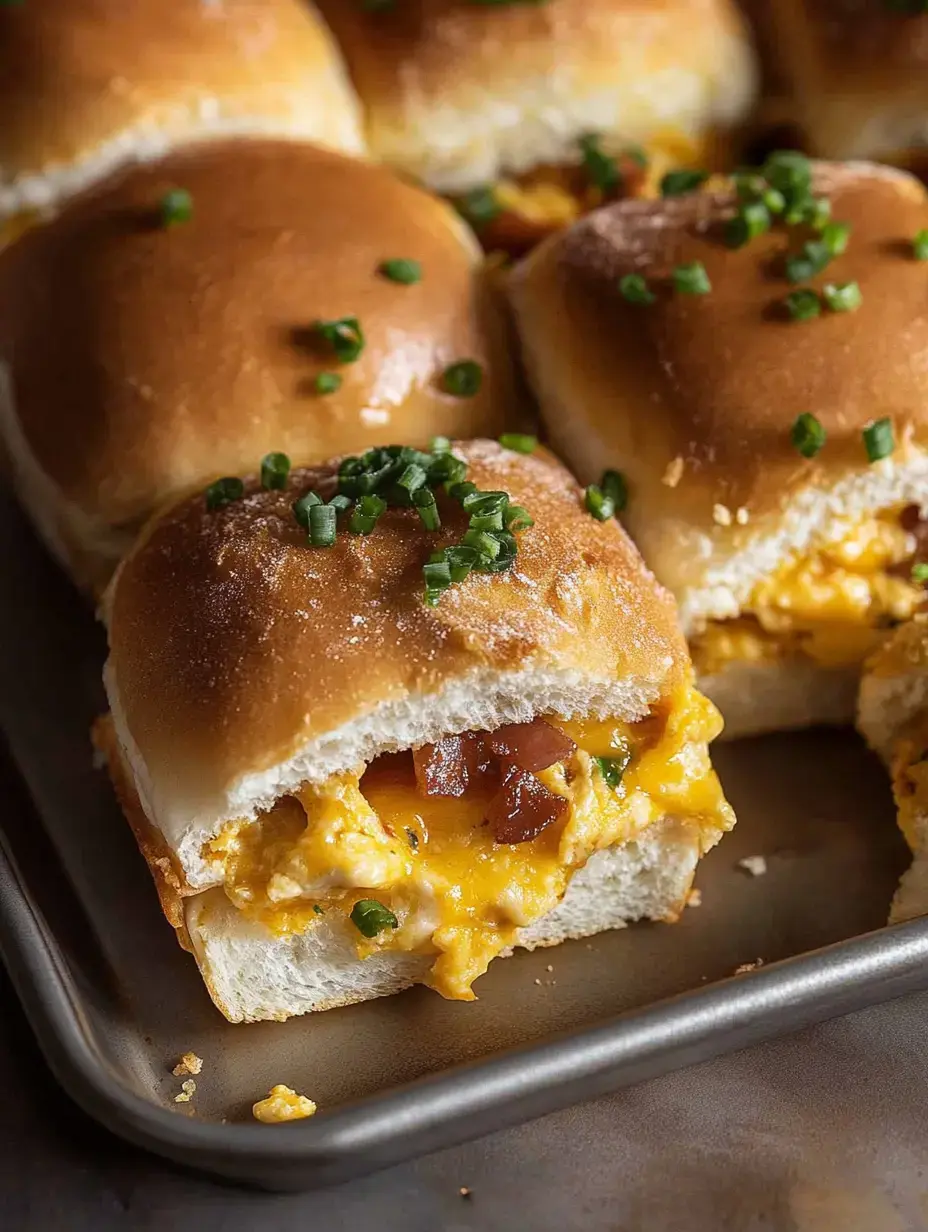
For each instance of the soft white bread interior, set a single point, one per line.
(460, 94)
(780, 695)
(188, 351)
(89, 85)
(252, 975)
(274, 665)
(694, 397)
(851, 75)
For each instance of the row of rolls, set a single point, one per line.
(239, 235)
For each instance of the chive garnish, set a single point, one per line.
(176, 206)
(365, 514)
(303, 505)
(691, 279)
(751, 220)
(275, 467)
(427, 508)
(328, 382)
(322, 525)
(519, 442)
(878, 439)
(440, 444)
(920, 245)
(612, 768)
(920, 572)
(601, 506)
(224, 492)
(676, 183)
(344, 336)
(370, 917)
(340, 503)
(808, 435)
(635, 289)
(615, 488)
(462, 379)
(480, 207)
(843, 296)
(402, 270)
(802, 305)
(516, 518)
(602, 170)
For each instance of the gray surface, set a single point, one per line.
(822, 1132)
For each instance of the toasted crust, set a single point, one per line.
(850, 73)
(694, 397)
(233, 644)
(168, 877)
(85, 84)
(187, 352)
(456, 93)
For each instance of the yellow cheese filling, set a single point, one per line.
(457, 893)
(833, 606)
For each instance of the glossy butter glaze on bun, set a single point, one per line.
(458, 94)
(89, 85)
(188, 351)
(695, 397)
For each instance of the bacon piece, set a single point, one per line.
(450, 766)
(531, 746)
(522, 808)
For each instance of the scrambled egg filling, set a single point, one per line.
(282, 1104)
(432, 861)
(833, 606)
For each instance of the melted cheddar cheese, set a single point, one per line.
(455, 891)
(832, 606)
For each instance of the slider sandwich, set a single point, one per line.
(531, 114)
(851, 76)
(893, 716)
(90, 85)
(753, 359)
(377, 723)
(189, 316)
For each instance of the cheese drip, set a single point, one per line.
(456, 893)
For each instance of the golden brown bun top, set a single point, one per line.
(146, 360)
(711, 385)
(233, 642)
(75, 74)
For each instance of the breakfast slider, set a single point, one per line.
(752, 360)
(531, 114)
(851, 76)
(90, 85)
(893, 716)
(234, 298)
(376, 723)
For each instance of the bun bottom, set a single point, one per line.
(784, 695)
(253, 975)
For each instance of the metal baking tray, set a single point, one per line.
(114, 1001)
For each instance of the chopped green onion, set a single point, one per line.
(612, 768)
(920, 572)
(676, 183)
(322, 525)
(816, 212)
(440, 444)
(365, 514)
(427, 508)
(920, 246)
(328, 382)
(318, 910)
(789, 171)
(878, 439)
(275, 467)
(370, 917)
(507, 549)
(176, 206)
(462, 379)
(344, 336)
(601, 506)
(224, 492)
(460, 491)
(487, 521)
(808, 435)
(480, 207)
(485, 502)
(519, 442)
(751, 220)
(483, 542)
(413, 477)
(842, 296)
(813, 258)
(401, 269)
(340, 503)
(774, 200)
(835, 236)
(613, 486)
(635, 289)
(302, 506)
(802, 305)
(516, 518)
(601, 169)
(691, 279)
